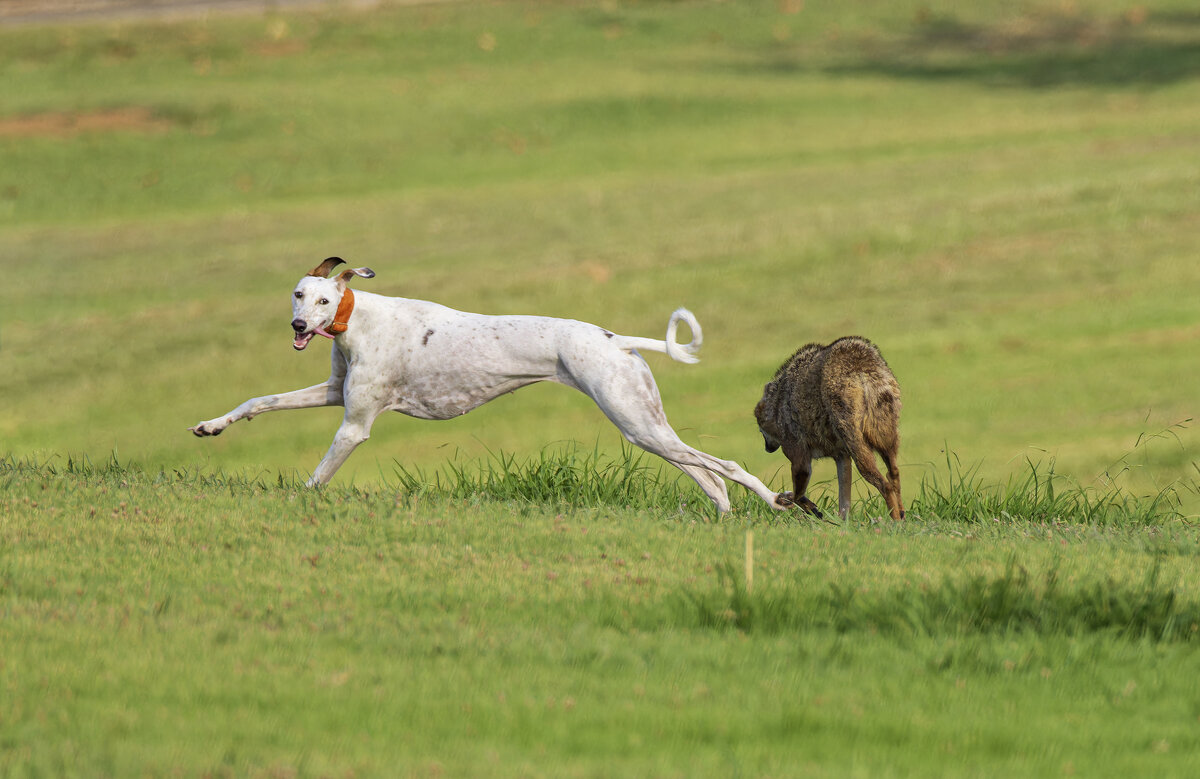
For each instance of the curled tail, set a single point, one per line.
(671, 347)
(683, 352)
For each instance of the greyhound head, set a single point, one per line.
(320, 303)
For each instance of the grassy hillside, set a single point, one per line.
(157, 624)
(1003, 198)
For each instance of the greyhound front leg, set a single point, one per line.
(355, 429)
(346, 441)
(326, 394)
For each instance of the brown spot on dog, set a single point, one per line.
(425, 340)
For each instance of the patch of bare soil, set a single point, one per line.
(69, 11)
(134, 119)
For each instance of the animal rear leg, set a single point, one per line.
(660, 438)
(884, 438)
(712, 485)
(663, 441)
(735, 473)
(625, 391)
(895, 505)
(864, 458)
(680, 454)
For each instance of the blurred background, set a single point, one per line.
(1003, 196)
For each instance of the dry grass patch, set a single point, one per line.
(68, 124)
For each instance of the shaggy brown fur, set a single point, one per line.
(838, 401)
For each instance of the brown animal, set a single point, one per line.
(840, 401)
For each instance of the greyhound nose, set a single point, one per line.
(299, 325)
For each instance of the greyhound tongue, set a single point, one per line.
(303, 338)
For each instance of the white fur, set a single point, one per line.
(432, 362)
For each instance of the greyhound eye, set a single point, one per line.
(324, 301)
(299, 295)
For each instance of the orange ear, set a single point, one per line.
(323, 270)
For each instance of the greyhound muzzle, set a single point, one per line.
(341, 323)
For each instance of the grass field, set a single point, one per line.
(171, 624)
(1002, 196)
(1004, 201)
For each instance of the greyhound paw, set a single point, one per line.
(784, 500)
(211, 427)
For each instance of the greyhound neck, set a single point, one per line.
(341, 320)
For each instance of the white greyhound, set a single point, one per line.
(432, 362)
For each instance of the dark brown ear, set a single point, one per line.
(325, 268)
(346, 275)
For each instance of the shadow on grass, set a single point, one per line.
(1014, 602)
(1035, 49)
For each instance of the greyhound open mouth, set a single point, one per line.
(302, 339)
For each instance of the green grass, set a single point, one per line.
(222, 624)
(1002, 197)
(569, 475)
(971, 188)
